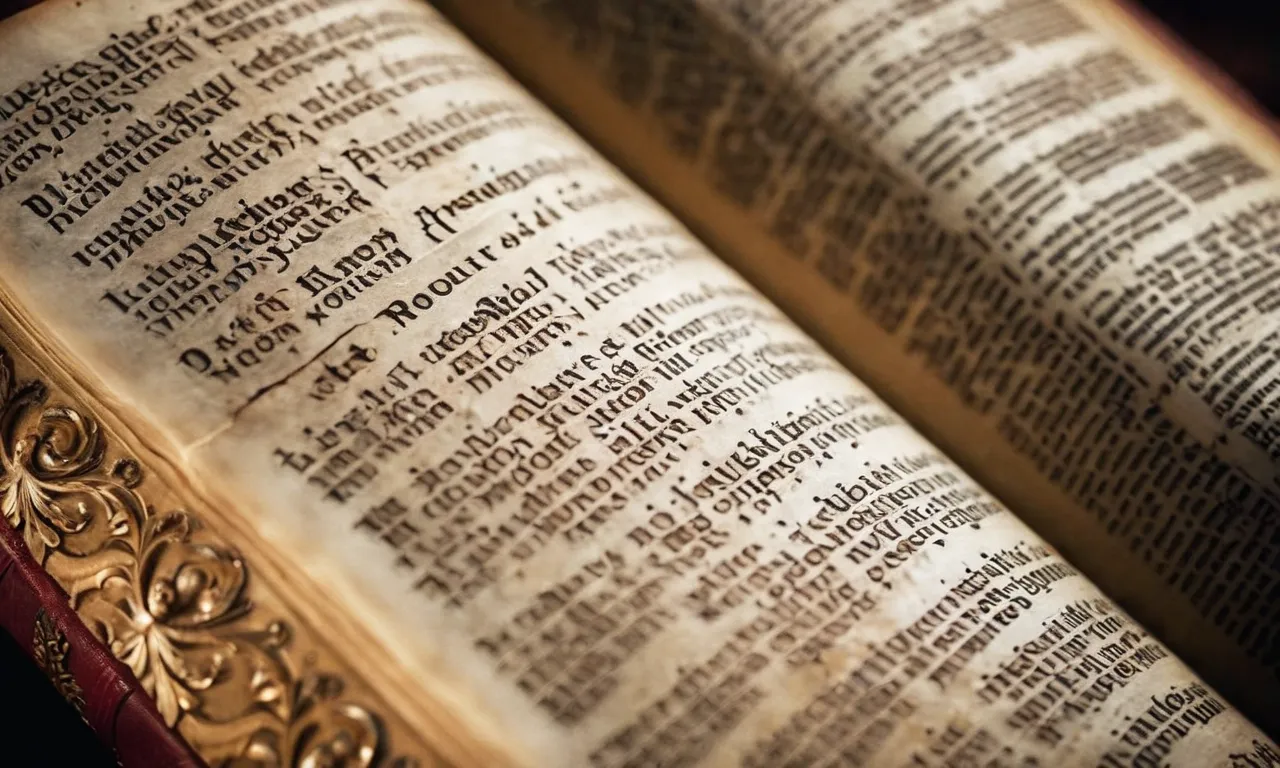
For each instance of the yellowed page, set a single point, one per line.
(238, 661)
(502, 413)
(1034, 232)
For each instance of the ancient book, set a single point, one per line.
(609, 383)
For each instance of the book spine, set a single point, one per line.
(36, 612)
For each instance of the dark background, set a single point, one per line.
(1241, 37)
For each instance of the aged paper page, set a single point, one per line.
(495, 404)
(1047, 246)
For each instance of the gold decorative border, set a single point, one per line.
(170, 599)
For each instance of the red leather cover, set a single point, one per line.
(112, 701)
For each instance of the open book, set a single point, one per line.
(370, 415)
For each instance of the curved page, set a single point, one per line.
(1043, 237)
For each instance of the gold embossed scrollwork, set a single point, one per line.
(168, 599)
(51, 651)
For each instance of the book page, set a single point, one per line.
(495, 405)
(1041, 239)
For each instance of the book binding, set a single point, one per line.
(36, 612)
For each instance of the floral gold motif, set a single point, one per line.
(169, 600)
(51, 650)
